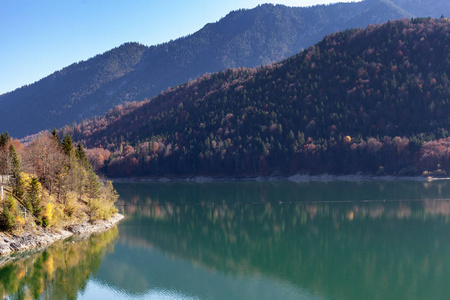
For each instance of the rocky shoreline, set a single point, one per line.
(14, 243)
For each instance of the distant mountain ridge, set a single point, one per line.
(133, 72)
(373, 100)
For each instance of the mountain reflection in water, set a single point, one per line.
(254, 240)
(336, 240)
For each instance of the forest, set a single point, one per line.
(50, 183)
(130, 72)
(372, 100)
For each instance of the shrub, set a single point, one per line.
(7, 219)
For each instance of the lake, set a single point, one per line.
(253, 240)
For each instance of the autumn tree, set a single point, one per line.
(47, 160)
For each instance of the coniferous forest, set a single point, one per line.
(371, 100)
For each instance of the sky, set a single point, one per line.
(38, 37)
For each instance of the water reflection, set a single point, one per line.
(255, 240)
(59, 272)
(337, 240)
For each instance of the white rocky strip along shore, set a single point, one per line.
(17, 243)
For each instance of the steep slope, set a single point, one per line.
(360, 100)
(130, 72)
(423, 8)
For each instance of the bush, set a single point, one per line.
(7, 220)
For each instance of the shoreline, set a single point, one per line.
(11, 244)
(293, 178)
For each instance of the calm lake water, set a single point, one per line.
(254, 240)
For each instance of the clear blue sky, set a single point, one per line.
(38, 37)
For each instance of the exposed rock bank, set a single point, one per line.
(16, 243)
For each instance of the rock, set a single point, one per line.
(28, 241)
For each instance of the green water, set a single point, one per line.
(254, 240)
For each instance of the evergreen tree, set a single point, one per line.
(80, 154)
(4, 138)
(55, 134)
(93, 185)
(34, 196)
(67, 145)
(14, 171)
(14, 161)
(7, 220)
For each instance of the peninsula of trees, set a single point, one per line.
(50, 183)
(373, 101)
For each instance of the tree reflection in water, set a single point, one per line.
(378, 240)
(59, 272)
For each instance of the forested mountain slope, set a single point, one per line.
(423, 8)
(359, 100)
(133, 72)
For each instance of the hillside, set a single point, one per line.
(359, 100)
(49, 184)
(133, 72)
(423, 8)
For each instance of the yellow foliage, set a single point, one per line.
(57, 214)
(350, 215)
(347, 139)
(48, 213)
(72, 207)
(49, 266)
(103, 207)
(20, 221)
(69, 204)
(25, 180)
(21, 273)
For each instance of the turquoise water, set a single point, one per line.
(255, 240)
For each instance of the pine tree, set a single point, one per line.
(55, 134)
(67, 145)
(14, 171)
(34, 196)
(93, 185)
(4, 138)
(80, 154)
(14, 161)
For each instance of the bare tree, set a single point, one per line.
(46, 159)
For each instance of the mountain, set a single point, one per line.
(423, 8)
(359, 100)
(133, 72)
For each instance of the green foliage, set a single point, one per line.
(67, 145)
(34, 196)
(15, 171)
(4, 139)
(93, 185)
(80, 154)
(7, 216)
(19, 190)
(55, 134)
(14, 159)
(7, 220)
